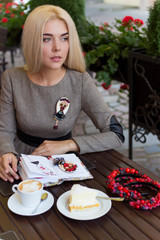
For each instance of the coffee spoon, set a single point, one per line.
(111, 198)
(43, 197)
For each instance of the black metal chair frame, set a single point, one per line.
(3, 40)
(144, 98)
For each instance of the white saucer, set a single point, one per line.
(14, 204)
(89, 214)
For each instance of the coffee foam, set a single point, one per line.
(30, 186)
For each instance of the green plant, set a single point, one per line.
(153, 30)
(6, 1)
(12, 16)
(75, 8)
(106, 46)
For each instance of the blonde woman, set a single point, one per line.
(41, 101)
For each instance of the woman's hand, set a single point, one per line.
(8, 167)
(48, 148)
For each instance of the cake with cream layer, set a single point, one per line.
(82, 198)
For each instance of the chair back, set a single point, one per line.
(3, 38)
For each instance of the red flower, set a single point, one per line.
(106, 24)
(8, 5)
(127, 20)
(105, 86)
(12, 15)
(124, 87)
(138, 22)
(1, 5)
(101, 28)
(7, 11)
(22, 13)
(4, 20)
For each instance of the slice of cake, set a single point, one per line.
(82, 198)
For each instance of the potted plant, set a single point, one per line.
(144, 72)
(153, 30)
(12, 17)
(106, 48)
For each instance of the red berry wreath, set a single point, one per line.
(128, 183)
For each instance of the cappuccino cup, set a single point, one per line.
(29, 192)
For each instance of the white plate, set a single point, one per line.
(89, 214)
(14, 204)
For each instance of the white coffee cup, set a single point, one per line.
(29, 191)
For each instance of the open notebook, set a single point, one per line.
(44, 169)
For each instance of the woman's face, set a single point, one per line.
(55, 44)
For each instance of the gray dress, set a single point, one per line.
(31, 107)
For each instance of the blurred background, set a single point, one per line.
(98, 30)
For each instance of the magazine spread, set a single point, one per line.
(53, 170)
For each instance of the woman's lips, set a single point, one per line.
(56, 59)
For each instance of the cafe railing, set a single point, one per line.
(144, 97)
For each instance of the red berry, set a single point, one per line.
(133, 170)
(125, 190)
(131, 203)
(139, 194)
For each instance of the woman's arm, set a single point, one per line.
(8, 159)
(7, 116)
(48, 148)
(111, 132)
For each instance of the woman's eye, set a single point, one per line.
(64, 39)
(46, 39)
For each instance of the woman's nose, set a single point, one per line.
(56, 46)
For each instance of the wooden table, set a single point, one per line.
(121, 222)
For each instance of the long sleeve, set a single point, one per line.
(7, 118)
(97, 110)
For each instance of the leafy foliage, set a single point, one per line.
(75, 8)
(12, 16)
(153, 30)
(106, 46)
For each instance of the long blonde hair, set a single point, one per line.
(32, 38)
